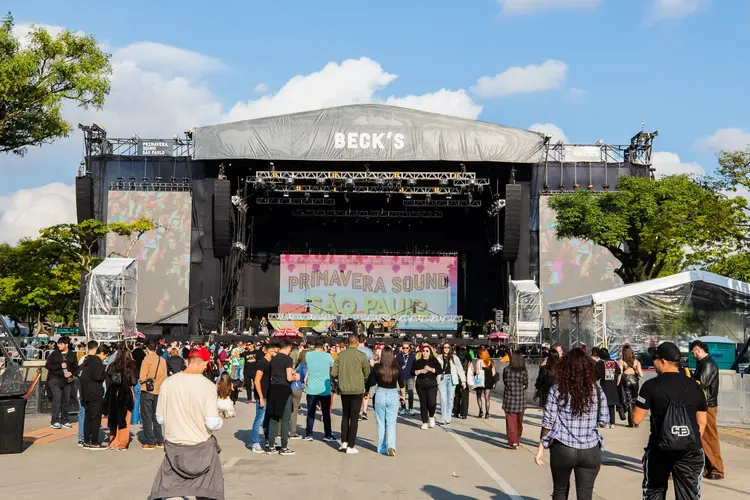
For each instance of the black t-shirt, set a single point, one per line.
(279, 364)
(263, 365)
(656, 394)
(138, 357)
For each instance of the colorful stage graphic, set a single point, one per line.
(367, 284)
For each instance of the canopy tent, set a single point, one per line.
(367, 132)
(677, 307)
(110, 304)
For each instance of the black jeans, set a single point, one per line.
(282, 425)
(461, 402)
(585, 464)
(351, 404)
(151, 428)
(325, 406)
(686, 468)
(92, 420)
(427, 402)
(60, 391)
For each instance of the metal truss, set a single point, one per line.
(554, 326)
(600, 325)
(382, 214)
(150, 186)
(638, 152)
(408, 190)
(296, 201)
(306, 175)
(575, 328)
(96, 143)
(432, 318)
(443, 203)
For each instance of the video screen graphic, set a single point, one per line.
(163, 254)
(570, 267)
(367, 284)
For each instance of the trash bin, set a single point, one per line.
(12, 416)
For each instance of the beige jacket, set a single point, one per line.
(149, 370)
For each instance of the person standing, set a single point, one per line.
(481, 378)
(426, 369)
(461, 401)
(386, 375)
(119, 399)
(370, 394)
(187, 408)
(405, 360)
(298, 388)
(707, 375)
(153, 373)
(575, 409)
(452, 376)
(280, 397)
(138, 355)
(352, 369)
(608, 374)
(631, 373)
(678, 419)
(546, 378)
(516, 381)
(92, 377)
(262, 381)
(61, 364)
(318, 387)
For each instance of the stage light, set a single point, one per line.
(408, 197)
(298, 188)
(320, 181)
(412, 182)
(286, 195)
(159, 179)
(463, 168)
(443, 182)
(326, 195)
(448, 197)
(272, 167)
(290, 179)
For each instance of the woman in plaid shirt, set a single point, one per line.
(516, 381)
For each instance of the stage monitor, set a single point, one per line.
(369, 284)
(163, 254)
(570, 267)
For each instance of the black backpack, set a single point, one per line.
(677, 433)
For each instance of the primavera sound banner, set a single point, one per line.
(368, 284)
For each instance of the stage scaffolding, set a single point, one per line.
(525, 316)
(110, 305)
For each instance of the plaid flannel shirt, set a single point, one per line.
(514, 395)
(580, 432)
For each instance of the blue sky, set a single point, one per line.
(677, 65)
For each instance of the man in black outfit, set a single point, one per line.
(684, 462)
(61, 364)
(279, 404)
(91, 377)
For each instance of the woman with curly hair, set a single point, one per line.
(576, 407)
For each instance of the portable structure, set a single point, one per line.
(525, 318)
(681, 306)
(110, 303)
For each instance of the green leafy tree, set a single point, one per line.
(654, 227)
(38, 76)
(734, 169)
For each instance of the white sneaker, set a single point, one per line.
(425, 427)
(257, 448)
(352, 451)
(402, 412)
(432, 423)
(343, 446)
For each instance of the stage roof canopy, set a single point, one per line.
(367, 132)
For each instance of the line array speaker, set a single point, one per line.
(513, 208)
(222, 220)
(84, 198)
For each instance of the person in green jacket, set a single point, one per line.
(351, 368)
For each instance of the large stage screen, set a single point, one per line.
(163, 254)
(569, 267)
(368, 284)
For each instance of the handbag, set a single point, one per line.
(477, 378)
(150, 384)
(116, 378)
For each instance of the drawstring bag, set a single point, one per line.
(676, 430)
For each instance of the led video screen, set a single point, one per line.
(368, 284)
(570, 267)
(163, 254)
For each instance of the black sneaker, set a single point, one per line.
(286, 452)
(94, 447)
(364, 416)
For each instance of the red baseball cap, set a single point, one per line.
(200, 352)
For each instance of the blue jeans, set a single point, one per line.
(237, 373)
(81, 413)
(386, 413)
(260, 414)
(135, 417)
(447, 392)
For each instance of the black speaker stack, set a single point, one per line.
(84, 198)
(222, 218)
(513, 207)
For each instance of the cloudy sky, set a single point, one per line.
(580, 70)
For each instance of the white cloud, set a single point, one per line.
(510, 7)
(166, 60)
(551, 130)
(726, 139)
(670, 10)
(25, 212)
(666, 163)
(447, 102)
(549, 75)
(261, 88)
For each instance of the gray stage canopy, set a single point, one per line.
(367, 132)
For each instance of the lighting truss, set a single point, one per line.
(406, 190)
(306, 175)
(443, 203)
(150, 186)
(401, 318)
(296, 201)
(382, 214)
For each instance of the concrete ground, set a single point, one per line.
(469, 461)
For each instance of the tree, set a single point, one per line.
(735, 266)
(654, 227)
(40, 75)
(734, 169)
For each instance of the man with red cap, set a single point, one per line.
(188, 411)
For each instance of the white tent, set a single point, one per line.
(110, 303)
(525, 315)
(675, 307)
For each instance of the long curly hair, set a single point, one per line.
(575, 381)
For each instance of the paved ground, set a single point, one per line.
(469, 462)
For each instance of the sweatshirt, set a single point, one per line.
(55, 361)
(92, 376)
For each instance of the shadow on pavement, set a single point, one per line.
(438, 493)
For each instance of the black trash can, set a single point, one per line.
(12, 416)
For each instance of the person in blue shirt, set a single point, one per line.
(318, 387)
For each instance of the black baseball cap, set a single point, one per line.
(668, 352)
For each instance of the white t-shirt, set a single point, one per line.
(185, 400)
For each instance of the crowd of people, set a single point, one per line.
(580, 394)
